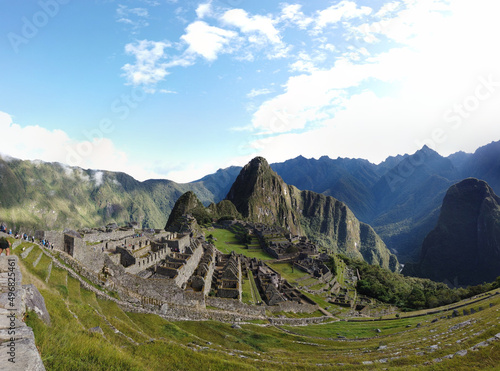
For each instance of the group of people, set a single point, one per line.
(6, 245)
(47, 244)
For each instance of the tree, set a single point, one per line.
(332, 265)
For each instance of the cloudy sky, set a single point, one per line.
(177, 89)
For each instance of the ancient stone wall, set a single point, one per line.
(236, 306)
(240, 280)
(107, 236)
(180, 243)
(126, 257)
(17, 341)
(208, 277)
(54, 237)
(89, 256)
(147, 262)
(294, 307)
(187, 270)
(298, 321)
(155, 291)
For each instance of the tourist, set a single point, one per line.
(5, 245)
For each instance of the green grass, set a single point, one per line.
(227, 242)
(318, 286)
(255, 290)
(247, 296)
(149, 342)
(288, 271)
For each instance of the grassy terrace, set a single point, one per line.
(226, 242)
(288, 272)
(134, 341)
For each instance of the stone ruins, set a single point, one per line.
(160, 269)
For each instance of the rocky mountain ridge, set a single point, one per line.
(464, 247)
(261, 196)
(400, 197)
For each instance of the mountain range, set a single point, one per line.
(400, 198)
(259, 195)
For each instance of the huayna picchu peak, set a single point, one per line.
(261, 196)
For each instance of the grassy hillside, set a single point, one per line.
(37, 195)
(135, 341)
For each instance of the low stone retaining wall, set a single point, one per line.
(17, 342)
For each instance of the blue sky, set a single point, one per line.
(177, 89)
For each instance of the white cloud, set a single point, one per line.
(98, 178)
(372, 104)
(207, 41)
(35, 142)
(204, 10)
(292, 13)
(344, 10)
(388, 8)
(149, 67)
(135, 17)
(254, 25)
(256, 92)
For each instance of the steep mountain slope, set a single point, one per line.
(348, 180)
(484, 164)
(400, 197)
(464, 247)
(408, 200)
(187, 203)
(260, 195)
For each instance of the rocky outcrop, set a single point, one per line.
(260, 195)
(464, 247)
(188, 203)
(35, 302)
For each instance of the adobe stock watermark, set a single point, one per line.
(121, 108)
(454, 119)
(30, 26)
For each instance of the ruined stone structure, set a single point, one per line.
(285, 246)
(171, 270)
(202, 278)
(275, 290)
(17, 341)
(180, 266)
(226, 280)
(315, 267)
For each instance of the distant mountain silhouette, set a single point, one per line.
(464, 247)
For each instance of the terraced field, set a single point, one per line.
(90, 333)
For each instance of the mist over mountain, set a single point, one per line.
(39, 195)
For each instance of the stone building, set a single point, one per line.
(226, 280)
